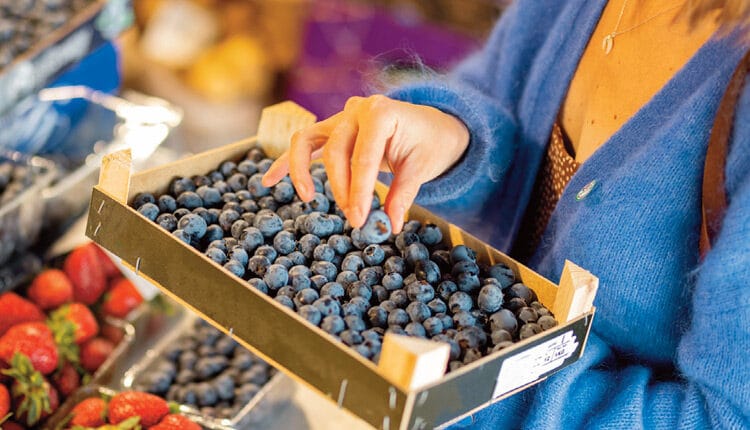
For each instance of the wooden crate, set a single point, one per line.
(408, 388)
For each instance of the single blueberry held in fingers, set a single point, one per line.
(377, 227)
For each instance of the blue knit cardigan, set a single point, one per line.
(670, 344)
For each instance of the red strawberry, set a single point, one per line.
(14, 309)
(67, 380)
(51, 289)
(10, 425)
(108, 266)
(175, 422)
(86, 273)
(80, 315)
(4, 402)
(34, 340)
(122, 298)
(33, 397)
(128, 404)
(112, 333)
(95, 352)
(91, 412)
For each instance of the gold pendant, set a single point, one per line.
(607, 43)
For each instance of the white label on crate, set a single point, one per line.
(529, 365)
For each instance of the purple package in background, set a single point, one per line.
(354, 49)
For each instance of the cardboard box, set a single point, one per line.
(408, 389)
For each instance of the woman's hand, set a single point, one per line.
(417, 143)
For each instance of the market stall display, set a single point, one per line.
(408, 387)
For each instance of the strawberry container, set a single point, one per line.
(409, 387)
(21, 217)
(273, 394)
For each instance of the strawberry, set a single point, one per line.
(175, 422)
(84, 269)
(128, 404)
(14, 309)
(33, 397)
(121, 299)
(112, 332)
(108, 266)
(95, 352)
(50, 289)
(4, 403)
(91, 412)
(10, 425)
(33, 340)
(80, 315)
(67, 380)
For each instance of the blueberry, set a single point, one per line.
(297, 258)
(216, 255)
(352, 263)
(310, 313)
(285, 301)
(420, 291)
(467, 282)
(259, 285)
(333, 290)
(378, 317)
(359, 289)
(267, 251)
(269, 203)
(502, 345)
(189, 200)
(284, 242)
(490, 298)
(396, 329)
(307, 244)
(226, 345)
(430, 234)
(255, 186)
(521, 291)
(398, 317)
(242, 360)
(264, 165)
(237, 182)
(338, 223)
(394, 264)
(418, 311)
(446, 319)
(180, 212)
(415, 329)
(193, 224)
(327, 306)
(433, 326)
(227, 219)
(427, 270)
(324, 252)
(143, 198)
(247, 167)
(167, 221)
(182, 236)
(223, 189)
(258, 265)
(227, 168)
(317, 281)
(388, 305)
(515, 304)
(211, 196)
(308, 296)
(471, 355)
(215, 176)
(546, 322)
(379, 294)
(455, 349)
(167, 203)
(276, 276)
(526, 315)
(319, 224)
(404, 239)
(351, 337)
(326, 269)
(251, 238)
(245, 393)
(187, 359)
(355, 322)
(238, 227)
(371, 275)
(503, 274)
(283, 192)
(501, 335)
(201, 180)
(373, 334)
(355, 306)
(471, 337)
(416, 252)
(503, 319)
(185, 376)
(249, 207)
(465, 266)
(462, 253)
(224, 386)
(399, 298)
(188, 395)
(528, 330)
(238, 254)
(442, 258)
(373, 255)
(255, 154)
(207, 367)
(462, 319)
(346, 277)
(149, 210)
(341, 244)
(437, 306)
(392, 281)
(333, 324)
(377, 227)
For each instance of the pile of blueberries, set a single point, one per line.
(14, 179)
(353, 283)
(208, 370)
(25, 22)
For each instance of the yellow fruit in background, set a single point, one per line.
(232, 69)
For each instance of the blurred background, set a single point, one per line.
(222, 60)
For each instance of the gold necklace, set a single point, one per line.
(609, 40)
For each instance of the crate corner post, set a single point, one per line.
(576, 292)
(410, 363)
(278, 123)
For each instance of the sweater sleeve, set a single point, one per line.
(709, 386)
(470, 93)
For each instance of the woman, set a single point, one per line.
(623, 94)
